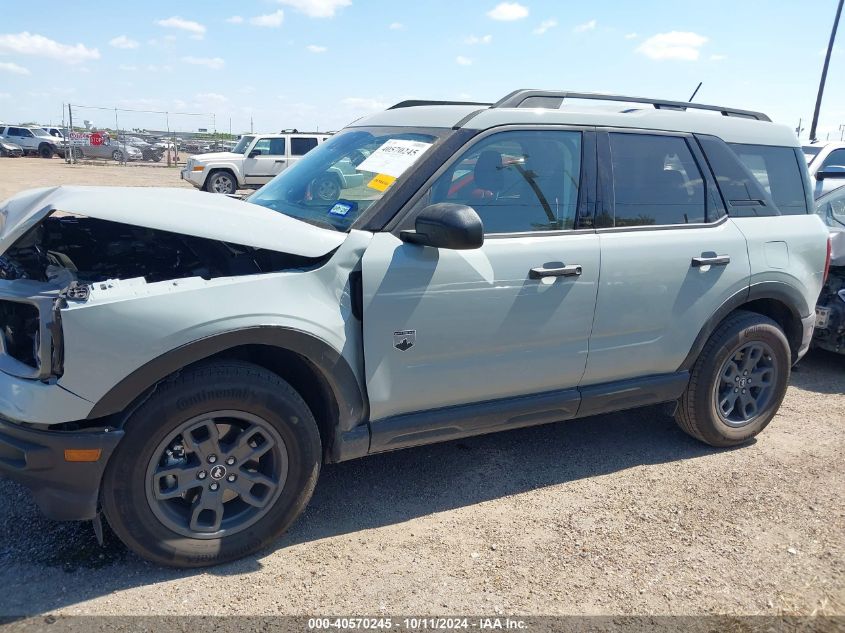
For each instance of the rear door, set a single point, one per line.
(449, 327)
(669, 254)
(266, 159)
(300, 145)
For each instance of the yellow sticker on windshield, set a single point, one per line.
(381, 182)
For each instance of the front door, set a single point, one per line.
(445, 327)
(264, 160)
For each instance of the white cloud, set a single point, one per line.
(361, 103)
(463, 61)
(716, 57)
(196, 29)
(127, 68)
(272, 20)
(121, 41)
(631, 36)
(39, 46)
(316, 8)
(508, 11)
(235, 19)
(683, 45)
(215, 63)
(212, 97)
(313, 48)
(587, 26)
(5, 95)
(545, 25)
(9, 67)
(484, 39)
(396, 26)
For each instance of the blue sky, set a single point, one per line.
(323, 63)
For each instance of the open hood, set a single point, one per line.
(183, 211)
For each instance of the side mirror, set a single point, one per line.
(446, 225)
(254, 153)
(831, 171)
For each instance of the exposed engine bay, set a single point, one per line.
(71, 251)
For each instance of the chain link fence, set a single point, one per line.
(91, 133)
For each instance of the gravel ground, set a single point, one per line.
(619, 514)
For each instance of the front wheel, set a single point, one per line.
(214, 466)
(738, 382)
(221, 182)
(45, 151)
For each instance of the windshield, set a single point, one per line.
(810, 152)
(242, 144)
(831, 208)
(335, 183)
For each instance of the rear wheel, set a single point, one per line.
(221, 182)
(738, 382)
(117, 155)
(214, 466)
(326, 188)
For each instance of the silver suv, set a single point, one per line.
(33, 140)
(185, 363)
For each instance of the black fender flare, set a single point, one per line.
(347, 392)
(778, 291)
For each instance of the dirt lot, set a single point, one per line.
(615, 514)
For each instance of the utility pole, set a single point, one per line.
(70, 131)
(824, 71)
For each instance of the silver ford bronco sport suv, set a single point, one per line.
(184, 363)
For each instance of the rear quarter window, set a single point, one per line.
(779, 173)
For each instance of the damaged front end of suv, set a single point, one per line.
(101, 288)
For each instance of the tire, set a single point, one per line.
(117, 156)
(45, 151)
(326, 188)
(221, 182)
(710, 409)
(238, 395)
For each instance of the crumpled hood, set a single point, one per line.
(837, 247)
(184, 211)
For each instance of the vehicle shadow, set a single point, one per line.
(350, 497)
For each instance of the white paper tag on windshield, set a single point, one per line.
(394, 157)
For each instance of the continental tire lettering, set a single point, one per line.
(217, 394)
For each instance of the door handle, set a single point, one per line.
(564, 271)
(279, 161)
(718, 260)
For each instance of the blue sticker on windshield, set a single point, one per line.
(341, 208)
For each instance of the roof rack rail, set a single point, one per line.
(554, 98)
(410, 103)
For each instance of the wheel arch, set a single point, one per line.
(229, 169)
(779, 301)
(320, 374)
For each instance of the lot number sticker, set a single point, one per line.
(394, 157)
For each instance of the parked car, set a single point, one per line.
(33, 140)
(9, 149)
(188, 362)
(149, 151)
(113, 150)
(253, 162)
(830, 308)
(826, 162)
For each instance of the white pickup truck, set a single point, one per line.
(253, 162)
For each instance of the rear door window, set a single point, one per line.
(778, 172)
(656, 181)
(301, 145)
